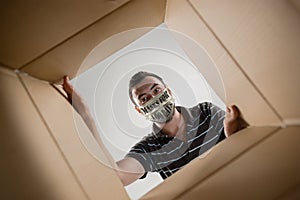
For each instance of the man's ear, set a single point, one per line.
(138, 109)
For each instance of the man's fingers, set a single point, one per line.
(68, 88)
(232, 112)
(232, 108)
(227, 109)
(66, 81)
(66, 78)
(67, 85)
(235, 109)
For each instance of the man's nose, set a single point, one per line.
(151, 95)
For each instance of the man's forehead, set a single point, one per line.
(145, 83)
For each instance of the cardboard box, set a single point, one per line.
(255, 45)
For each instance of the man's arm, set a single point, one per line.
(128, 169)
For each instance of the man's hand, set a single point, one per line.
(68, 88)
(74, 98)
(128, 169)
(233, 121)
(78, 103)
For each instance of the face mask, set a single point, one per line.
(160, 109)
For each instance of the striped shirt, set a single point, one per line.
(160, 153)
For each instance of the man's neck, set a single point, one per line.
(175, 127)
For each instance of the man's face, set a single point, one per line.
(144, 91)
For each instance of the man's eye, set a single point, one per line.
(156, 90)
(144, 99)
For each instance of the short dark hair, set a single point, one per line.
(137, 78)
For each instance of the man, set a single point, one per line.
(179, 134)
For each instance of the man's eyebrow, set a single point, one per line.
(154, 84)
(141, 95)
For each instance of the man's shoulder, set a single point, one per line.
(151, 137)
(146, 143)
(201, 107)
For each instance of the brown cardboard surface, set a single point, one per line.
(264, 172)
(181, 17)
(30, 28)
(263, 37)
(292, 193)
(201, 169)
(110, 46)
(296, 4)
(67, 57)
(76, 142)
(48, 151)
(32, 165)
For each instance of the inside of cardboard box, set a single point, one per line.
(253, 47)
(119, 125)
